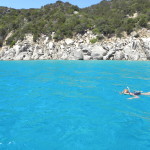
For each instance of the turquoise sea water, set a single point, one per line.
(73, 105)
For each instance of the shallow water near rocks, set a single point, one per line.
(73, 105)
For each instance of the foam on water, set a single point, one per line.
(73, 105)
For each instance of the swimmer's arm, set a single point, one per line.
(148, 93)
(135, 96)
(124, 93)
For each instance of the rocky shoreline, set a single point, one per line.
(80, 48)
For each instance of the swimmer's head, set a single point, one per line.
(125, 91)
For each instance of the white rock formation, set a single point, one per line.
(79, 48)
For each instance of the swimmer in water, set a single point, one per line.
(135, 94)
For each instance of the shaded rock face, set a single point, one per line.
(98, 52)
(119, 55)
(78, 54)
(78, 48)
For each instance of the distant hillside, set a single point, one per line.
(107, 18)
(111, 17)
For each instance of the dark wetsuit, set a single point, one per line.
(137, 93)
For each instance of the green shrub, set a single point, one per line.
(143, 21)
(94, 40)
(1, 43)
(12, 43)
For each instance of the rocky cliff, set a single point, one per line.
(80, 48)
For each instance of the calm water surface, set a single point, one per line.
(73, 105)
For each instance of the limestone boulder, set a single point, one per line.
(17, 49)
(69, 41)
(109, 55)
(86, 51)
(130, 54)
(78, 54)
(134, 34)
(44, 57)
(21, 56)
(119, 55)
(51, 45)
(35, 56)
(27, 57)
(97, 52)
(64, 56)
(147, 52)
(87, 57)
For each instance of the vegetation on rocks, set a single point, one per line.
(109, 17)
